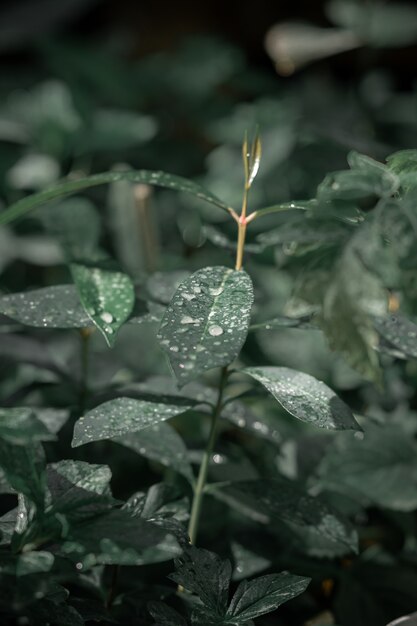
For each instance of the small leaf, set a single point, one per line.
(399, 335)
(206, 322)
(263, 595)
(305, 397)
(124, 415)
(50, 307)
(107, 295)
(162, 444)
(207, 575)
(159, 179)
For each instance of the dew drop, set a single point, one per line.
(79, 565)
(106, 317)
(188, 320)
(215, 331)
(216, 291)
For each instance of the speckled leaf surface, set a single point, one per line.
(160, 443)
(305, 397)
(398, 333)
(50, 307)
(206, 322)
(123, 415)
(107, 295)
(264, 594)
(158, 179)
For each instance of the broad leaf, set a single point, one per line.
(263, 595)
(162, 444)
(159, 179)
(282, 500)
(107, 295)
(305, 397)
(124, 415)
(206, 322)
(51, 307)
(207, 575)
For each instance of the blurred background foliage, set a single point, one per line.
(89, 85)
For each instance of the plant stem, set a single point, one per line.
(241, 233)
(202, 475)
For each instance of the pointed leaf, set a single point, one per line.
(23, 466)
(263, 595)
(107, 295)
(305, 397)
(205, 574)
(206, 322)
(124, 415)
(50, 307)
(159, 179)
(399, 333)
(160, 443)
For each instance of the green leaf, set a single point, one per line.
(207, 575)
(107, 295)
(159, 179)
(20, 426)
(305, 397)
(284, 501)
(263, 595)
(381, 468)
(23, 466)
(49, 307)
(160, 443)
(357, 185)
(118, 538)
(206, 322)
(399, 335)
(74, 487)
(124, 415)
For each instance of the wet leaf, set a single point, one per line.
(159, 179)
(124, 415)
(50, 307)
(264, 594)
(107, 295)
(305, 397)
(207, 575)
(206, 322)
(399, 335)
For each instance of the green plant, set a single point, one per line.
(351, 250)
